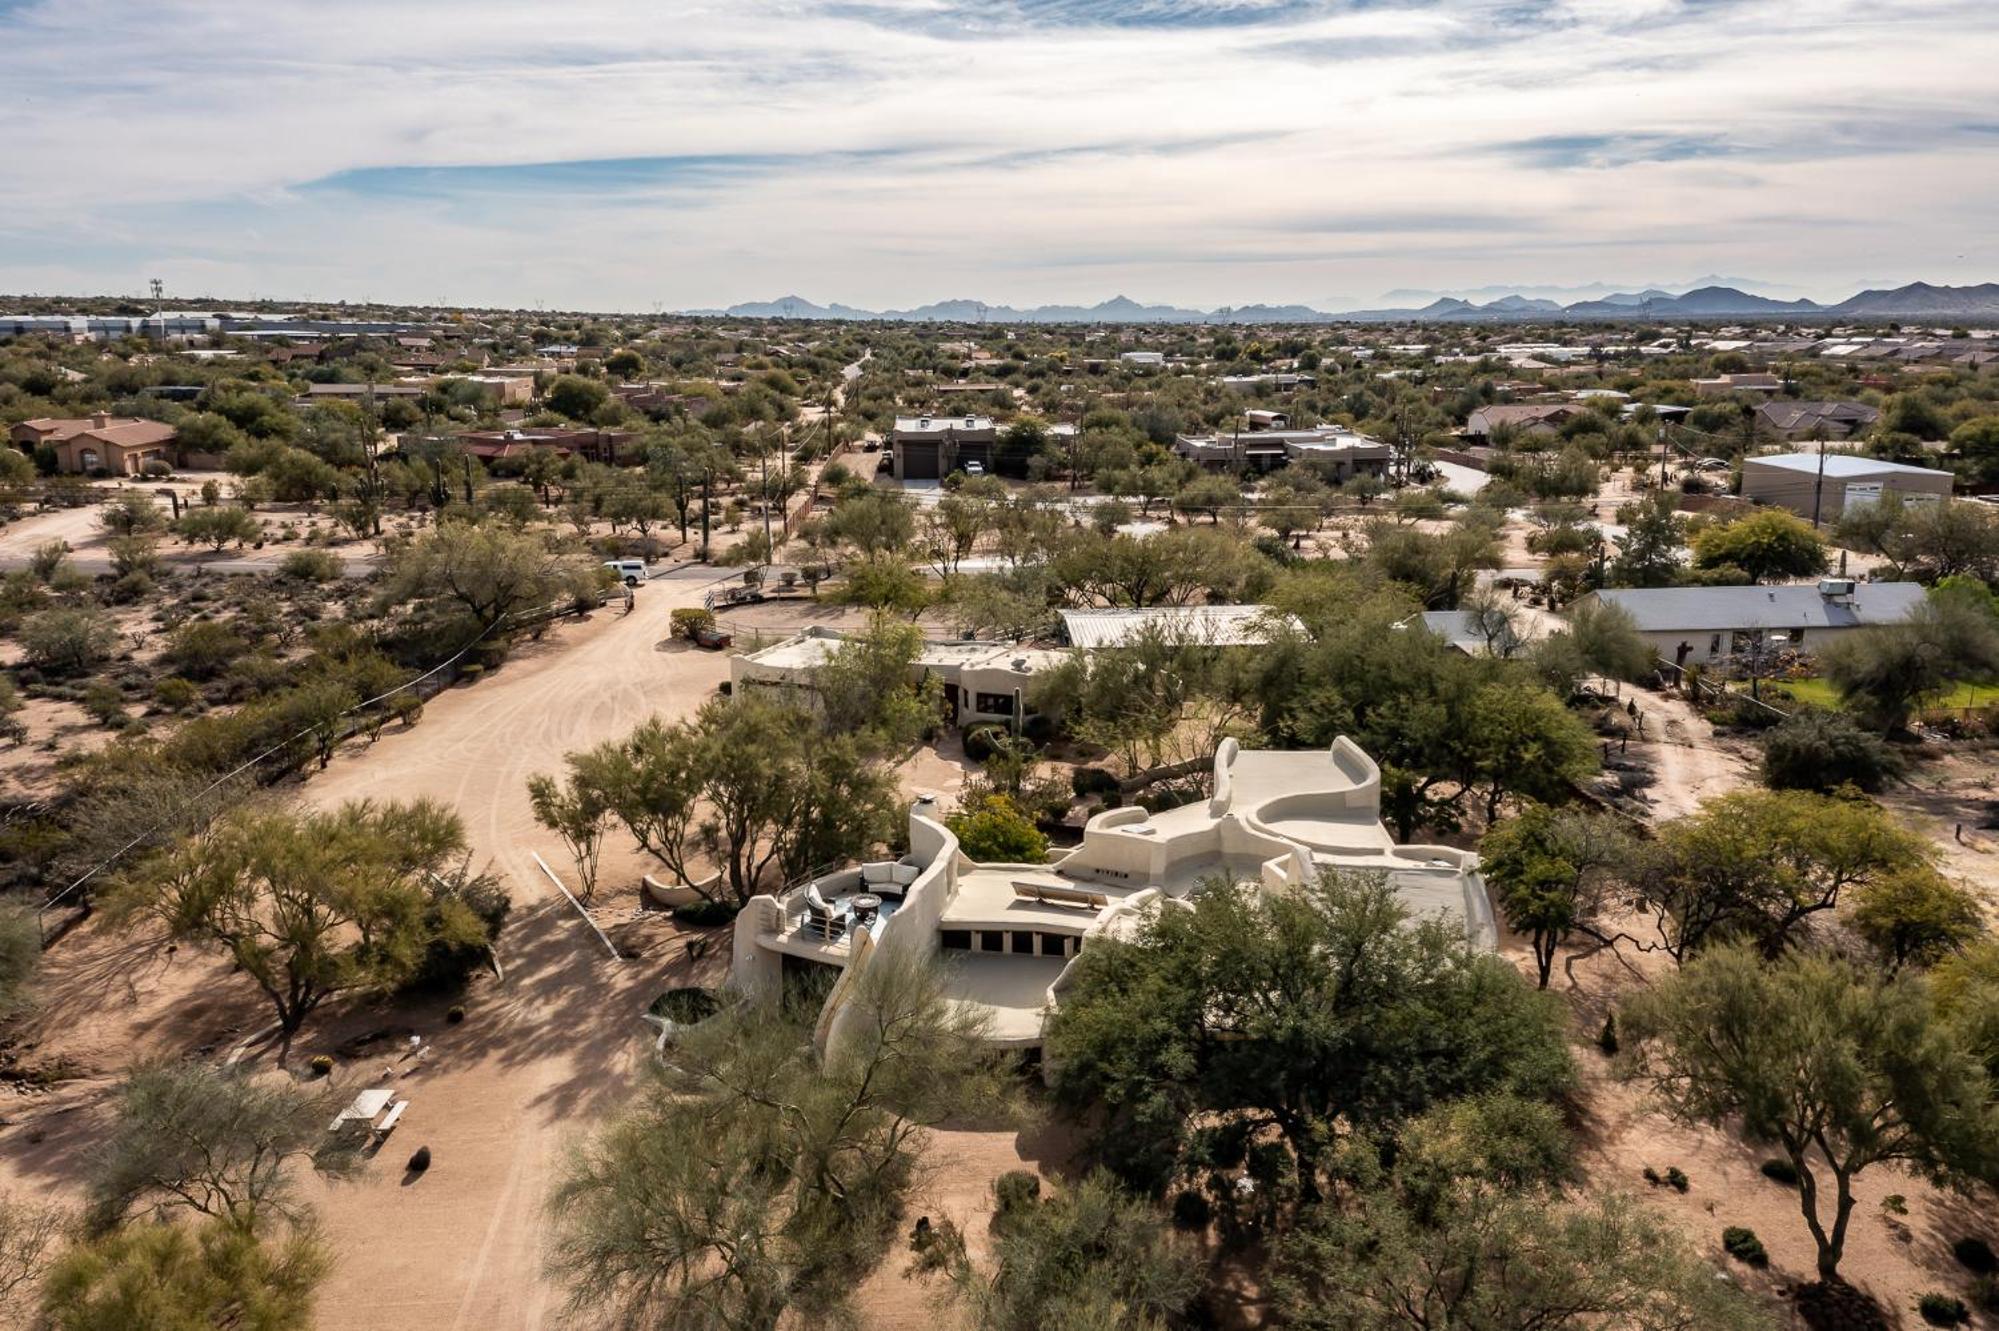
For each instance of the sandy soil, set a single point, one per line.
(542, 1054)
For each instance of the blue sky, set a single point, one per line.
(607, 154)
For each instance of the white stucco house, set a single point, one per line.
(1009, 934)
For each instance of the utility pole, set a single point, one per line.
(1818, 481)
(1662, 454)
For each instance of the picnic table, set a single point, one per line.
(366, 1105)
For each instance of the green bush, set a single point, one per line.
(1780, 1170)
(1942, 1309)
(1015, 1191)
(175, 694)
(310, 566)
(704, 914)
(997, 832)
(1743, 1245)
(981, 741)
(1676, 1180)
(1087, 781)
(1820, 750)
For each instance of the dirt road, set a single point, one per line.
(544, 1054)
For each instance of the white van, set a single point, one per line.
(631, 572)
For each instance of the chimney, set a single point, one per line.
(99, 420)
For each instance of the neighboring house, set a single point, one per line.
(1203, 625)
(1143, 360)
(984, 682)
(1815, 420)
(1543, 418)
(492, 445)
(1338, 451)
(1723, 385)
(1257, 419)
(120, 445)
(506, 390)
(1283, 383)
(929, 448)
(1713, 625)
(1794, 481)
(1012, 933)
(363, 393)
(1473, 632)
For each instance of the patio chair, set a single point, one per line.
(828, 921)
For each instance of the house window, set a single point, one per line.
(1714, 645)
(1023, 942)
(993, 704)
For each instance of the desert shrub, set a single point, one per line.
(981, 741)
(174, 694)
(997, 832)
(322, 1065)
(1780, 1170)
(1676, 1180)
(690, 619)
(1743, 1245)
(1087, 781)
(105, 703)
(1015, 1191)
(704, 914)
(67, 641)
(310, 566)
(1819, 750)
(1976, 1256)
(1942, 1309)
(203, 649)
(448, 964)
(1192, 1209)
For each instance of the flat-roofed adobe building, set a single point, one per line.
(929, 448)
(1009, 935)
(1794, 481)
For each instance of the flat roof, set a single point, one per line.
(1840, 465)
(1208, 625)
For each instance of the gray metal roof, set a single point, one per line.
(1666, 609)
(1840, 465)
(1209, 625)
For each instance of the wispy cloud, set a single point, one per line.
(883, 152)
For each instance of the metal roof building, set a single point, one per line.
(1207, 625)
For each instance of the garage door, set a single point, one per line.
(919, 462)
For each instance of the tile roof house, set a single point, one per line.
(120, 445)
(1815, 420)
(1525, 417)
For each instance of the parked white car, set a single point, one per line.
(631, 572)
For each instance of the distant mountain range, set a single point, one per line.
(1916, 300)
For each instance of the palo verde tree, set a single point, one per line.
(752, 1180)
(1757, 865)
(309, 905)
(488, 569)
(1552, 872)
(1841, 1068)
(221, 1142)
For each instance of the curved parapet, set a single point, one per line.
(1361, 771)
(1223, 788)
